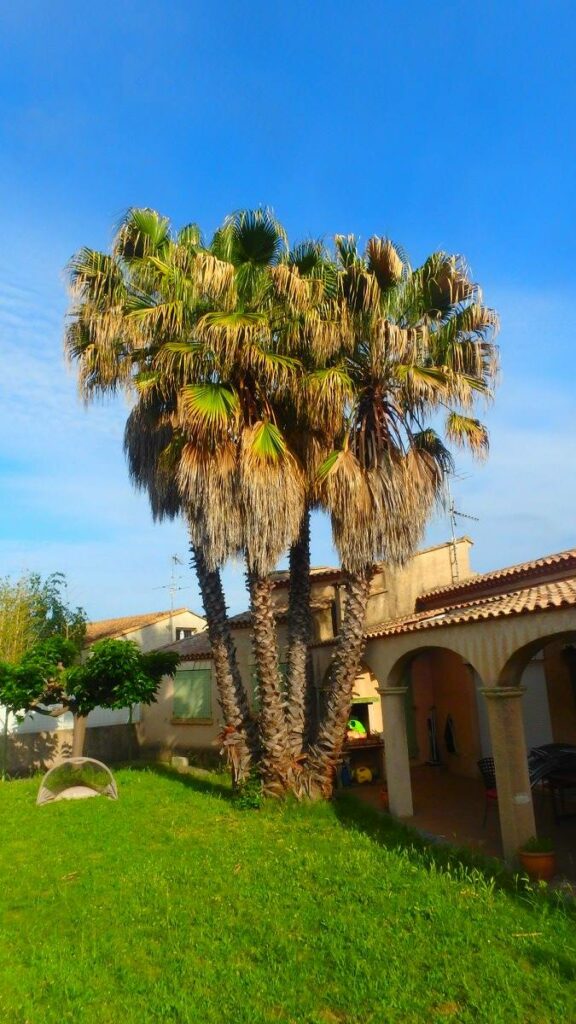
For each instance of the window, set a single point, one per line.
(193, 695)
(282, 672)
(183, 632)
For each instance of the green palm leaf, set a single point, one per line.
(143, 232)
(212, 405)
(266, 442)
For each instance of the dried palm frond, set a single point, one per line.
(209, 488)
(384, 262)
(148, 436)
(272, 489)
(214, 277)
(466, 432)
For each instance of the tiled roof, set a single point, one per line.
(320, 572)
(119, 627)
(536, 598)
(198, 646)
(192, 648)
(540, 568)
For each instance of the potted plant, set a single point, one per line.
(538, 858)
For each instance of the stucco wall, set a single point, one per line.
(158, 731)
(165, 630)
(394, 591)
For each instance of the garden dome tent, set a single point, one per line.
(75, 779)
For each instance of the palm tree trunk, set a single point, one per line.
(275, 763)
(300, 697)
(345, 665)
(240, 741)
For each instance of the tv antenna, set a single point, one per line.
(454, 516)
(173, 587)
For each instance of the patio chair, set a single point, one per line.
(488, 773)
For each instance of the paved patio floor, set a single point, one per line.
(452, 807)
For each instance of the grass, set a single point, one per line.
(174, 906)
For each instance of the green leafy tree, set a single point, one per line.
(33, 609)
(50, 680)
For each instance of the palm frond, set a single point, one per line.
(384, 262)
(250, 236)
(210, 407)
(466, 432)
(272, 487)
(143, 232)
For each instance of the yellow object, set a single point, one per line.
(363, 774)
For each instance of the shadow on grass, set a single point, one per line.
(201, 780)
(458, 862)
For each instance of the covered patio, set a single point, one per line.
(457, 817)
(486, 667)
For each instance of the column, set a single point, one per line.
(515, 807)
(396, 750)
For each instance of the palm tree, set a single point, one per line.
(421, 345)
(114, 346)
(202, 335)
(267, 382)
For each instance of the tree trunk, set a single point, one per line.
(79, 735)
(275, 760)
(318, 780)
(5, 745)
(240, 739)
(300, 682)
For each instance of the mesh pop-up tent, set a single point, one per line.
(75, 779)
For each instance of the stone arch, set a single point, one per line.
(446, 718)
(513, 668)
(397, 671)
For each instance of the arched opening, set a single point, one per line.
(445, 717)
(546, 669)
(447, 734)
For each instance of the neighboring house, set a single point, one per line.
(39, 741)
(485, 661)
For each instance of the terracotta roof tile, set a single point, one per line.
(281, 578)
(119, 627)
(198, 646)
(540, 597)
(192, 648)
(539, 568)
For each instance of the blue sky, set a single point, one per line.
(443, 125)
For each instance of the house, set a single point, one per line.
(457, 666)
(186, 716)
(39, 741)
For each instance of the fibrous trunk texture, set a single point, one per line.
(275, 763)
(239, 737)
(300, 696)
(318, 779)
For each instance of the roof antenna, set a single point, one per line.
(454, 514)
(173, 587)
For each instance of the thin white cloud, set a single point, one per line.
(68, 504)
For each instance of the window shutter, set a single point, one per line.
(193, 694)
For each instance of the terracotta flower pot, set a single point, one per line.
(540, 866)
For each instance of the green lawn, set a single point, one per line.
(173, 905)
